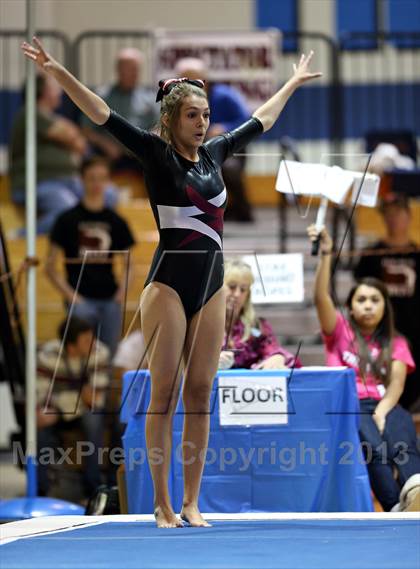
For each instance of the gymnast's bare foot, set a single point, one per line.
(191, 515)
(166, 518)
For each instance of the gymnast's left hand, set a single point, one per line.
(301, 71)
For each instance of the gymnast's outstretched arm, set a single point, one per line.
(87, 101)
(270, 111)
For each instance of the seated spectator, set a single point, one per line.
(88, 234)
(60, 146)
(228, 111)
(130, 99)
(249, 341)
(395, 260)
(73, 375)
(365, 340)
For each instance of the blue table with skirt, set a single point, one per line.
(313, 463)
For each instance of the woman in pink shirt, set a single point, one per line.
(366, 341)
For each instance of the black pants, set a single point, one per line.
(49, 442)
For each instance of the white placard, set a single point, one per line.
(278, 278)
(244, 59)
(331, 182)
(368, 194)
(253, 400)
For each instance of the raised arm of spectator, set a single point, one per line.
(87, 101)
(326, 310)
(270, 111)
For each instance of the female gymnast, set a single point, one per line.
(249, 342)
(183, 302)
(367, 342)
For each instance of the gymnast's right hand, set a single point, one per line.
(38, 54)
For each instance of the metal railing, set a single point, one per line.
(361, 90)
(94, 54)
(12, 70)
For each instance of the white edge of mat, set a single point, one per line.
(47, 525)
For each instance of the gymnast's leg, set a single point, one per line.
(164, 327)
(202, 350)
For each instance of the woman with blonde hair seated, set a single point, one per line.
(249, 342)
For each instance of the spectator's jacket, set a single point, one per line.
(261, 345)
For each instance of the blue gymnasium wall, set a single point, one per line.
(350, 16)
(367, 107)
(374, 15)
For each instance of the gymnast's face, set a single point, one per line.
(238, 289)
(194, 118)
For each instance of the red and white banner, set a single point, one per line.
(245, 60)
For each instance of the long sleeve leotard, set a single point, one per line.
(188, 201)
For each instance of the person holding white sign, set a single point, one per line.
(367, 342)
(183, 303)
(250, 342)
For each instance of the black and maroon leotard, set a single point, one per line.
(188, 201)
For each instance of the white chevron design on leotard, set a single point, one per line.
(174, 217)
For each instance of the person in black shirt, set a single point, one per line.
(183, 303)
(395, 260)
(92, 233)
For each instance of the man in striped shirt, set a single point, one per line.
(73, 375)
